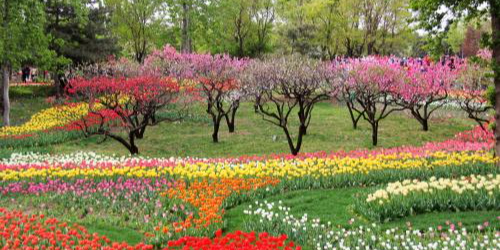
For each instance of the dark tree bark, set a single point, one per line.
(218, 108)
(354, 118)
(280, 114)
(186, 46)
(241, 32)
(349, 101)
(423, 112)
(5, 95)
(374, 133)
(495, 26)
(231, 116)
(216, 119)
(5, 71)
(374, 108)
(294, 148)
(132, 147)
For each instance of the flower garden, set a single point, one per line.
(378, 197)
(180, 203)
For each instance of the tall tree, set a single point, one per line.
(187, 23)
(263, 13)
(472, 41)
(136, 23)
(296, 30)
(326, 16)
(92, 42)
(64, 19)
(187, 43)
(432, 17)
(22, 37)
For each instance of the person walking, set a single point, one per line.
(26, 74)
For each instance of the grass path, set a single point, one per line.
(328, 205)
(336, 206)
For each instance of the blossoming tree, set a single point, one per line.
(136, 101)
(217, 76)
(214, 75)
(287, 84)
(425, 89)
(372, 82)
(474, 78)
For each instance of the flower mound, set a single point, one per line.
(410, 197)
(46, 119)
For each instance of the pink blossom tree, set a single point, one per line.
(340, 75)
(372, 82)
(285, 85)
(470, 91)
(425, 89)
(216, 76)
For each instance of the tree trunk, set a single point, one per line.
(354, 120)
(5, 95)
(374, 133)
(186, 46)
(425, 125)
(134, 150)
(495, 26)
(231, 119)
(140, 133)
(423, 120)
(57, 83)
(215, 134)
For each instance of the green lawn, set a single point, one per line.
(330, 130)
(26, 101)
(336, 206)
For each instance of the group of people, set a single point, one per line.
(31, 74)
(28, 74)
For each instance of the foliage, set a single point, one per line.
(474, 78)
(327, 29)
(22, 38)
(432, 17)
(93, 41)
(136, 24)
(215, 76)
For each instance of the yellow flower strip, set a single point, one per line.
(278, 168)
(47, 119)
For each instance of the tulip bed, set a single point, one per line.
(21, 231)
(52, 125)
(180, 203)
(312, 233)
(410, 197)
